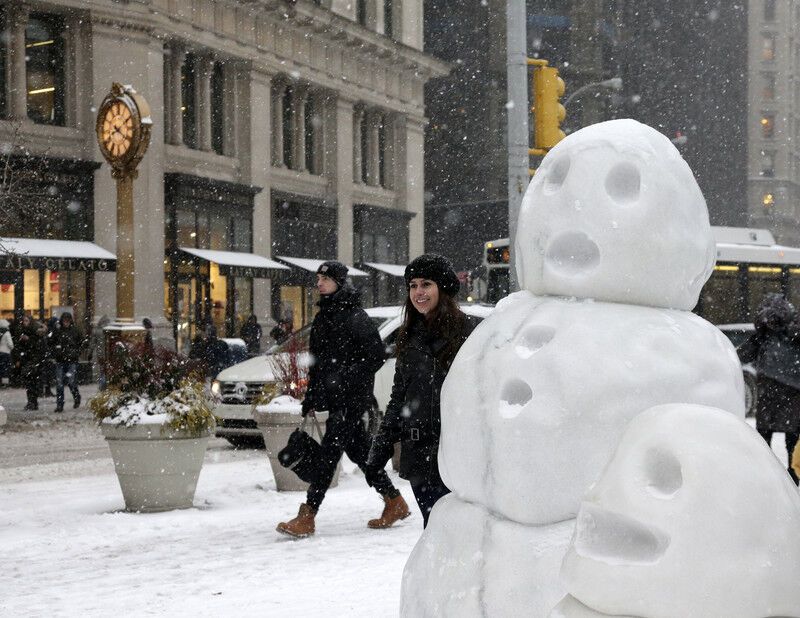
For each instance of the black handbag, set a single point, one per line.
(302, 452)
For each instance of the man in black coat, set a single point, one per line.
(66, 344)
(30, 350)
(346, 352)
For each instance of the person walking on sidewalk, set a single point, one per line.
(67, 343)
(30, 358)
(6, 347)
(347, 351)
(433, 330)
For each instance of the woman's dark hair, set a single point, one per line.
(447, 322)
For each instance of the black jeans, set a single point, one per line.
(345, 432)
(427, 493)
(791, 441)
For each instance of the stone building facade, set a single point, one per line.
(279, 129)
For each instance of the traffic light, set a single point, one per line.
(548, 111)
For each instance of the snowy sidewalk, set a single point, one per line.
(66, 549)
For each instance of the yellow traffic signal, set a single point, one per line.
(548, 111)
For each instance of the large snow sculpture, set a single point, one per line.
(613, 247)
(694, 517)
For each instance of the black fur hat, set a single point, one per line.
(436, 268)
(335, 270)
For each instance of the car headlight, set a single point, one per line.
(216, 388)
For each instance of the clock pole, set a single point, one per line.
(123, 134)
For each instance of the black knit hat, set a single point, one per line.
(436, 268)
(335, 270)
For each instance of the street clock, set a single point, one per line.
(123, 129)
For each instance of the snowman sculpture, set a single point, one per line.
(696, 515)
(613, 246)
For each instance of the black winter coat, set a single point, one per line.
(346, 352)
(30, 347)
(413, 415)
(776, 356)
(65, 344)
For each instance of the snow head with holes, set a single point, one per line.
(613, 246)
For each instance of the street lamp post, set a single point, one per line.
(615, 83)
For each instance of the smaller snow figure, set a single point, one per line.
(693, 517)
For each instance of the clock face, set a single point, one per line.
(117, 130)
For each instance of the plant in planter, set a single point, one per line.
(157, 417)
(278, 411)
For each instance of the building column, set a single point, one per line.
(16, 71)
(205, 68)
(256, 94)
(410, 179)
(373, 148)
(174, 93)
(276, 96)
(341, 130)
(358, 115)
(299, 103)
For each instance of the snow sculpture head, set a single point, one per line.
(696, 515)
(615, 214)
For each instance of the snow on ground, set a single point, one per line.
(66, 548)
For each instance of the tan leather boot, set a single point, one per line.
(302, 525)
(394, 510)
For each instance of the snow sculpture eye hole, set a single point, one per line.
(513, 397)
(623, 183)
(572, 253)
(532, 339)
(663, 473)
(556, 176)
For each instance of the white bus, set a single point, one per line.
(749, 265)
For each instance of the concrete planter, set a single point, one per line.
(157, 466)
(277, 420)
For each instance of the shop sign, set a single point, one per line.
(22, 262)
(247, 271)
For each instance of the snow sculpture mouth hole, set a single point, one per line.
(556, 176)
(624, 183)
(664, 474)
(533, 339)
(615, 539)
(513, 397)
(572, 253)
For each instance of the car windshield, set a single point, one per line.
(304, 334)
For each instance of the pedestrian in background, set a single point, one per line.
(30, 348)
(211, 350)
(49, 363)
(147, 323)
(774, 348)
(347, 351)
(66, 345)
(433, 330)
(97, 349)
(6, 348)
(251, 334)
(281, 331)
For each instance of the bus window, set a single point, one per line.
(720, 299)
(761, 280)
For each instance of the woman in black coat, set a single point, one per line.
(433, 331)
(775, 350)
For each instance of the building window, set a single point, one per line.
(768, 125)
(382, 162)
(288, 127)
(3, 64)
(768, 93)
(309, 111)
(189, 96)
(769, 10)
(767, 164)
(361, 12)
(364, 146)
(768, 48)
(388, 18)
(218, 114)
(44, 64)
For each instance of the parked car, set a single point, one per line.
(238, 386)
(738, 334)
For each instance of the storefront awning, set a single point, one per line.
(55, 255)
(391, 269)
(312, 265)
(237, 263)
